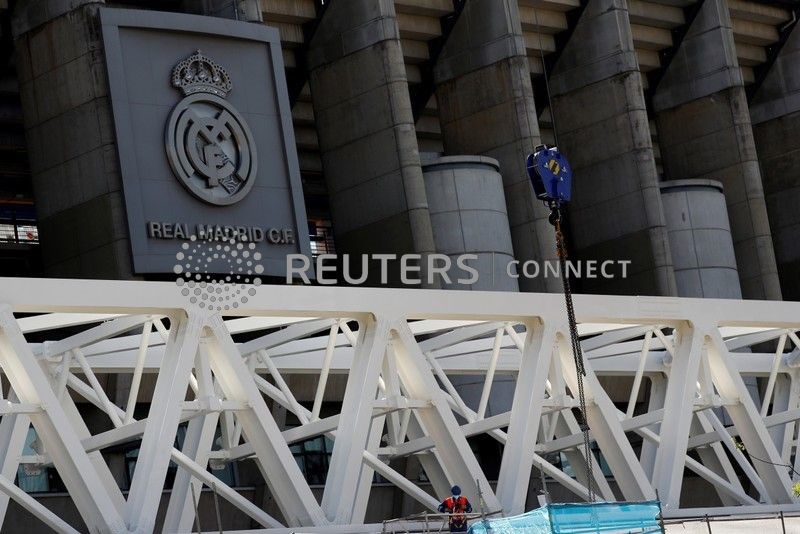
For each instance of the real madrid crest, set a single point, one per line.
(209, 145)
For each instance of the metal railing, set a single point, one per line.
(710, 520)
(426, 518)
(14, 231)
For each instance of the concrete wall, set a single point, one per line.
(775, 112)
(700, 239)
(705, 132)
(366, 131)
(247, 10)
(74, 166)
(486, 107)
(468, 215)
(601, 121)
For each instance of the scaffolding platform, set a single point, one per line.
(578, 518)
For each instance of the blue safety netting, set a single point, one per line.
(578, 518)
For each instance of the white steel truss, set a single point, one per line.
(692, 361)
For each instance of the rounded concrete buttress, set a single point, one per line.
(700, 239)
(468, 214)
(467, 206)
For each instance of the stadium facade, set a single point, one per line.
(303, 127)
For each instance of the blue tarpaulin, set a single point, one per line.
(578, 518)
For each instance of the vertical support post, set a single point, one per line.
(73, 464)
(487, 385)
(197, 446)
(637, 379)
(165, 411)
(791, 383)
(526, 410)
(365, 477)
(323, 374)
(781, 400)
(677, 421)
(355, 422)
(216, 507)
(776, 362)
(133, 395)
(658, 391)
(389, 374)
(196, 500)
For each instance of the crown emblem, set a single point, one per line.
(200, 74)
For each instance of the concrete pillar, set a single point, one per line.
(366, 131)
(468, 215)
(775, 112)
(246, 10)
(602, 127)
(486, 107)
(700, 239)
(705, 132)
(74, 167)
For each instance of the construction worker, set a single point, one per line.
(458, 507)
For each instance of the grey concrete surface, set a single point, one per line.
(706, 61)
(246, 10)
(600, 48)
(778, 144)
(705, 132)
(779, 94)
(700, 239)
(711, 138)
(486, 107)
(30, 15)
(602, 125)
(366, 131)
(468, 215)
(775, 112)
(74, 166)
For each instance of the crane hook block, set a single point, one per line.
(550, 174)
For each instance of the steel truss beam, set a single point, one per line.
(686, 357)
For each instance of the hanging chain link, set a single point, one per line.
(577, 352)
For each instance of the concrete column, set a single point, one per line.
(704, 131)
(366, 131)
(486, 107)
(700, 239)
(775, 112)
(468, 214)
(601, 122)
(246, 10)
(74, 167)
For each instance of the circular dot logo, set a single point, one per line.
(199, 265)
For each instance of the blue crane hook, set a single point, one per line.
(551, 176)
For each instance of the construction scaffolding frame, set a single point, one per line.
(399, 350)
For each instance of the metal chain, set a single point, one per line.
(577, 353)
